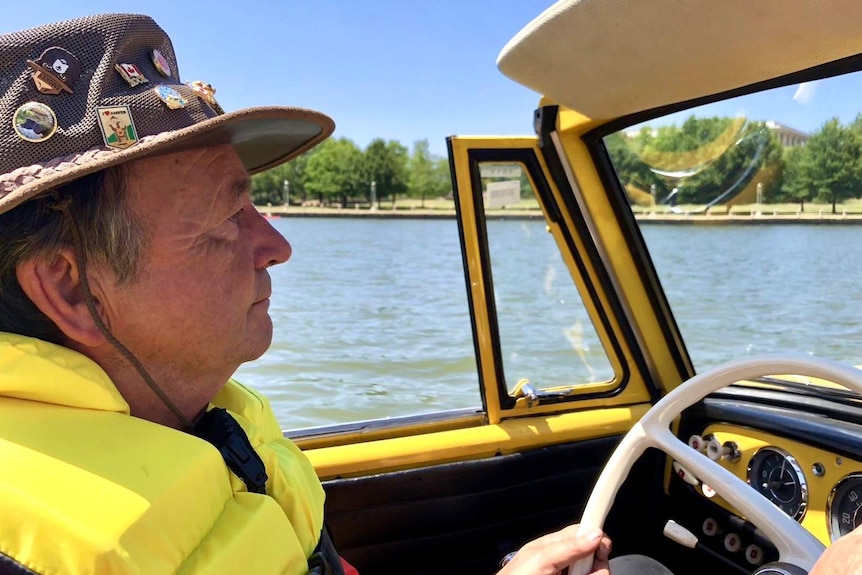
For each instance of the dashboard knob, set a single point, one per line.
(685, 474)
(732, 542)
(754, 554)
(714, 449)
(710, 527)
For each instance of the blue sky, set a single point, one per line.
(396, 69)
(804, 107)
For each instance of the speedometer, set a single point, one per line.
(776, 475)
(843, 506)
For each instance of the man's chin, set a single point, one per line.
(260, 338)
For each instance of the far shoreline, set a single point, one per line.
(755, 218)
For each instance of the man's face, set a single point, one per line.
(200, 306)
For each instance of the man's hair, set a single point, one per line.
(111, 237)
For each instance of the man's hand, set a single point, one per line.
(552, 553)
(842, 557)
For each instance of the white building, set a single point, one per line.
(787, 137)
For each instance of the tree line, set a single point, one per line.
(339, 172)
(703, 161)
(708, 161)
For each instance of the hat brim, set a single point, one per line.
(262, 137)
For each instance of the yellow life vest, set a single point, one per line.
(87, 488)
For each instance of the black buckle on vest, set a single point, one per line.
(220, 429)
(324, 559)
(318, 565)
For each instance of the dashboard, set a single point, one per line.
(801, 449)
(822, 490)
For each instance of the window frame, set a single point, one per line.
(583, 263)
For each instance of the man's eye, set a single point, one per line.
(235, 216)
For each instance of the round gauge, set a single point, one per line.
(776, 475)
(843, 506)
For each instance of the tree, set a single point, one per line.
(753, 148)
(422, 173)
(631, 170)
(385, 163)
(832, 172)
(442, 179)
(334, 171)
(428, 174)
(793, 188)
(294, 173)
(707, 160)
(856, 125)
(268, 187)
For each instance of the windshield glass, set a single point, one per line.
(752, 212)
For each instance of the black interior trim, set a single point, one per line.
(464, 517)
(838, 404)
(9, 566)
(846, 65)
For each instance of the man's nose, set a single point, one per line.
(272, 248)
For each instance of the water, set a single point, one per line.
(746, 290)
(370, 320)
(371, 316)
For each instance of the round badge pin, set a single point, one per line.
(34, 122)
(161, 63)
(172, 99)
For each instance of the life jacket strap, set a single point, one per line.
(219, 428)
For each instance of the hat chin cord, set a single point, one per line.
(62, 206)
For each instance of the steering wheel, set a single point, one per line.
(796, 546)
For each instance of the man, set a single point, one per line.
(133, 283)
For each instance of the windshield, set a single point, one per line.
(752, 212)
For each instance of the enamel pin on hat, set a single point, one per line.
(118, 128)
(172, 99)
(68, 107)
(131, 74)
(161, 63)
(55, 70)
(34, 122)
(206, 93)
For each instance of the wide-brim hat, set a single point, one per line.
(87, 94)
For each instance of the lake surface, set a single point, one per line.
(370, 316)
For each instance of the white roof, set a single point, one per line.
(610, 58)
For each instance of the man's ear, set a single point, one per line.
(54, 286)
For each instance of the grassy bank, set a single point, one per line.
(849, 212)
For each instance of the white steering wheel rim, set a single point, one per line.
(794, 543)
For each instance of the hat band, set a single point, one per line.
(29, 174)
